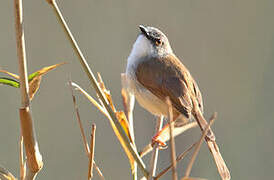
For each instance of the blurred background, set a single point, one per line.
(228, 47)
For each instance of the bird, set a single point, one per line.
(155, 73)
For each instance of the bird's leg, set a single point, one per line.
(163, 133)
(158, 129)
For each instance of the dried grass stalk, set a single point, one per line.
(92, 151)
(172, 141)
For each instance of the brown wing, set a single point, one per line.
(167, 77)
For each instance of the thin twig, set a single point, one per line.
(128, 102)
(92, 150)
(87, 149)
(198, 146)
(172, 141)
(95, 85)
(79, 120)
(34, 158)
(154, 155)
(98, 171)
(180, 157)
(21, 159)
(96, 104)
(91, 99)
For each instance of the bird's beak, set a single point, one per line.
(144, 30)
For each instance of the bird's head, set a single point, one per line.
(152, 42)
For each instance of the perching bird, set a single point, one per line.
(155, 73)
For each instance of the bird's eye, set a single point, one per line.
(158, 42)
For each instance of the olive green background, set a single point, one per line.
(228, 45)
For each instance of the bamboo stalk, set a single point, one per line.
(34, 158)
(21, 53)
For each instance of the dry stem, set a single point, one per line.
(154, 155)
(198, 146)
(92, 150)
(172, 141)
(180, 157)
(211, 143)
(87, 149)
(21, 159)
(79, 120)
(21, 53)
(128, 102)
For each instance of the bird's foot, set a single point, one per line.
(161, 144)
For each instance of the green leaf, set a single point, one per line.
(9, 81)
(33, 75)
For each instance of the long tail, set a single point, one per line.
(213, 147)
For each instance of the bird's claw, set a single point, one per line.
(161, 144)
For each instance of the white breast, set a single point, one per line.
(141, 48)
(145, 98)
